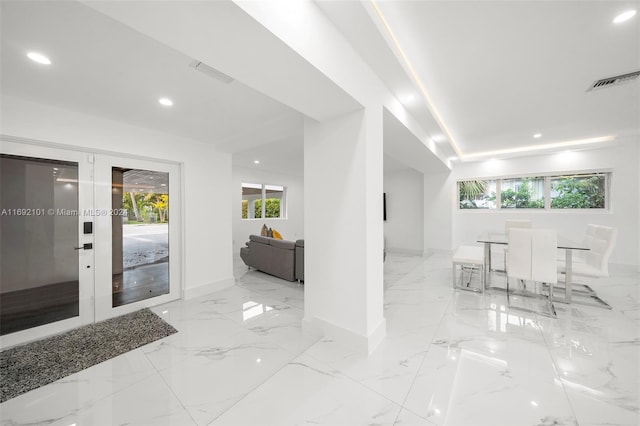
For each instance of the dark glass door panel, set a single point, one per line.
(39, 276)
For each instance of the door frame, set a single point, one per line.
(86, 269)
(89, 268)
(103, 230)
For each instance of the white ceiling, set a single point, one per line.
(103, 67)
(497, 72)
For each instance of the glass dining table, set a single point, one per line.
(490, 238)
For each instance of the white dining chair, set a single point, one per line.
(508, 225)
(531, 257)
(601, 241)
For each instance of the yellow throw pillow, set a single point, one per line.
(277, 235)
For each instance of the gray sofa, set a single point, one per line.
(280, 258)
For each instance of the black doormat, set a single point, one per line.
(27, 367)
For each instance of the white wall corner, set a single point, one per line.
(206, 288)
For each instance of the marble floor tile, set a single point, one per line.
(459, 384)
(66, 397)
(149, 402)
(450, 357)
(389, 370)
(213, 380)
(307, 391)
(591, 410)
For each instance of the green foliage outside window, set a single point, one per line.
(473, 194)
(520, 199)
(151, 207)
(272, 208)
(578, 193)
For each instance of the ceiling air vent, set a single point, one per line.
(614, 81)
(211, 72)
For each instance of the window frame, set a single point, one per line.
(263, 198)
(548, 177)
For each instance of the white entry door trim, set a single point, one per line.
(103, 223)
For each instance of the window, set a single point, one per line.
(273, 200)
(578, 191)
(522, 193)
(586, 191)
(251, 201)
(263, 201)
(477, 194)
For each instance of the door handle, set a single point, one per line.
(85, 246)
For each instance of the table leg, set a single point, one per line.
(487, 265)
(568, 279)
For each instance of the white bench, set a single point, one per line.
(468, 258)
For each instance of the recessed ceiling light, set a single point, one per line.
(165, 101)
(625, 16)
(39, 58)
(163, 184)
(256, 161)
(537, 135)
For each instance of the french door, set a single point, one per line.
(83, 237)
(138, 244)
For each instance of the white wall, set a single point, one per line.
(291, 228)
(622, 159)
(207, 224)
(438, 221)
(404, 227)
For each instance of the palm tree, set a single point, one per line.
(471, 189)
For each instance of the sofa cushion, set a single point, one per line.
(283, 244)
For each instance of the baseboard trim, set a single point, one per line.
(624, 268)
(431, 251)
(363, 344)
(201, 290)
(400, 250)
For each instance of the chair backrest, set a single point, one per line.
(519, 254)
(543, 263)
(532, 254)
(510, 224)
(601, 240)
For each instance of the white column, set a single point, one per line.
(343, 185)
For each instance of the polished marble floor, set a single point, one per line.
(449, 358)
